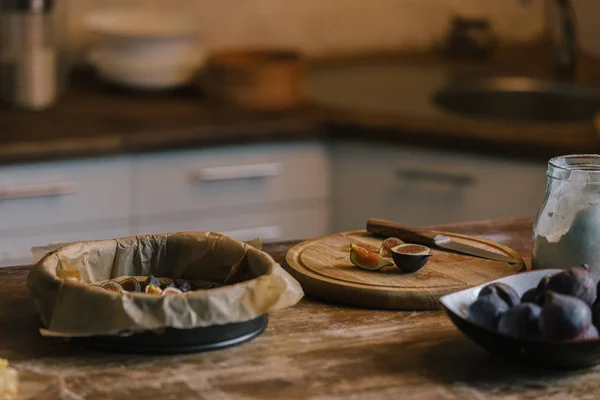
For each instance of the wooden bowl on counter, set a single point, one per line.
(262, 79)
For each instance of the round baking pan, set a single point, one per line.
(178, 341)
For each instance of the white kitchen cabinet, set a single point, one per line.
(56, 194)
(423, 187)
(15, 249)
(229, 178)
(277, 191)
(308, 221)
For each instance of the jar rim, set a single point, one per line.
(584, 167)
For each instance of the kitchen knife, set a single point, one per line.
(382, 227)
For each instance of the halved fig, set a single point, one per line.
(410, 257)
(112, 286)
(365, 259)
(386, 246)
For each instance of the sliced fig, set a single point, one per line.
(386, 246)
(153, 289)
(410, 257)
(131, 285)
(365, 259)
(112, 286)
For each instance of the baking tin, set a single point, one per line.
(180, 341)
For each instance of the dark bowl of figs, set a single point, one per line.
(548, 318)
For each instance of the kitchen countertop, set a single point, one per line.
(93, 119)
(312, 350)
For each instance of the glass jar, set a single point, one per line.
(566, 231)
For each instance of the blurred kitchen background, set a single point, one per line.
(284, 119)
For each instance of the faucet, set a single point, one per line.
(566, 48)
(567, 45)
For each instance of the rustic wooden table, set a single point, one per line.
(313, 350)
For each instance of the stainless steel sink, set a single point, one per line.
(520, 99)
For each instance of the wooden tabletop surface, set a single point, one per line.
(313, 350)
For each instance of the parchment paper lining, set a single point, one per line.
(254, 284)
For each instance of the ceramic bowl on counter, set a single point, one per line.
(565, 354)
(137, 73)
(144, 49)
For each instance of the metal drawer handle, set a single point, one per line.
(248, 171)
(37, 190)
(265, 233)
(411, 174)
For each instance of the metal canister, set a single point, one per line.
(29, 73)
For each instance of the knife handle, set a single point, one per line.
(382, 227)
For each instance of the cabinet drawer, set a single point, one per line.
(269, 226)
(226, 177)
(52, 194)
(420, 187)
(15, 250)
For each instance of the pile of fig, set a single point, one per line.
(563, 307)
(153, 285)
(393, 251)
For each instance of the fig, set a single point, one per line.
(365, 259)
(386, 246)
(112, 286)
(169, 291)
(596, 315)
(487, 311)
(576, 282)
(590, 333)
(187, 287)
(410, 257)
(504, 291)
(543, 284)
(153, 289)
(131, 285)
(521, 321)
(533, 296)
(537, 294)
(564, 317)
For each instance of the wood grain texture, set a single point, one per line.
(323, 268)
(314, 350)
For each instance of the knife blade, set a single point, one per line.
(382, 227)
(445, 242)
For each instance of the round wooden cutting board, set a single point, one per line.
(323, 268)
